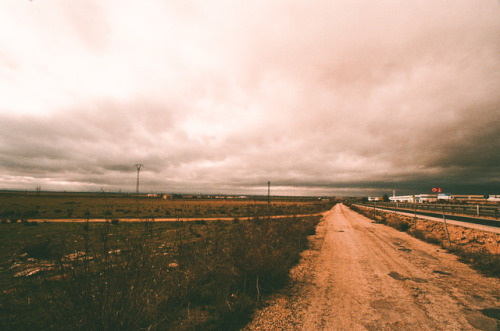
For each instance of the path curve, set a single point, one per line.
(359, 275)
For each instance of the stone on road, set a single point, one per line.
(359, 275)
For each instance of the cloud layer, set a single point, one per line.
(323, 97)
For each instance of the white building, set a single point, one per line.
(403, 198)
(425, 198)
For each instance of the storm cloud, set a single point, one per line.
(319, 97)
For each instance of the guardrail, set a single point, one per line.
(472, 210)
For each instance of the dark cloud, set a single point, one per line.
(333, 97)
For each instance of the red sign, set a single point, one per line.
(436, 190)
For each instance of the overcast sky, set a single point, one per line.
(319, 97)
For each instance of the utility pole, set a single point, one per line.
(138, 166)
(269, 191)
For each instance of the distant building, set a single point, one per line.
(403, 198)
(429, 198)
(425, 198)
(444, 197)
(494, 198)
(469, 198)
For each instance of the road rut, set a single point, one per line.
(359, 275)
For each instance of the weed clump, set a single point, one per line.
(44, 249)
(479, 258)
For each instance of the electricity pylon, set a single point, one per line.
(138, 166)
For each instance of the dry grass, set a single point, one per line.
(150, 275)
(21, 206)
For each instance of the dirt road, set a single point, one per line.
(359, 275)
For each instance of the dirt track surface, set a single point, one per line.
(359, 275)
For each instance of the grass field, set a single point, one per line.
(148, 275)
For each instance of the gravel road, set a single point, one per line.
(359, 275)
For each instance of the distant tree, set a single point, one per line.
(385, 197)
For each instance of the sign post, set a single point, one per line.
(446, 229)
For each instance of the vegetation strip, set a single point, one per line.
(183, 219)
(146, 275)
(465, 219)
(22, 207)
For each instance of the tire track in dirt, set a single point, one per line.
(359, 275)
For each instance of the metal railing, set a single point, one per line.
(472, 210)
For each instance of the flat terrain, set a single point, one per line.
(47, 205)
(365, 276)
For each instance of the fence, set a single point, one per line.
(472, 210)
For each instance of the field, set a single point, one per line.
(147, 275)
(29, 205)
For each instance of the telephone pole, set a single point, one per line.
(138, 166)
(269, 191)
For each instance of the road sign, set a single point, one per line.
(436, 190)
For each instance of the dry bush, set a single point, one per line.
(479, 258)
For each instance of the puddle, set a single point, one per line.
(491, 312)
(480, 321)
(396, 276)
(382, 304)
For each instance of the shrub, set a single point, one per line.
(30, 223)
(480, 258)
(399, 224)
(44, 249)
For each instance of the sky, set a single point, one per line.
(320, 97)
